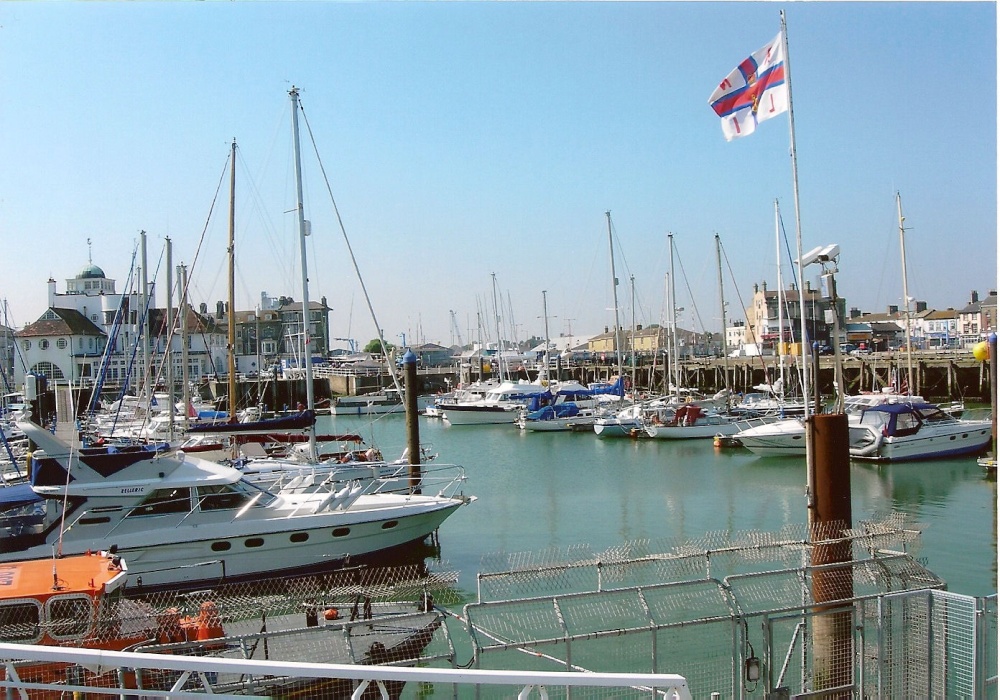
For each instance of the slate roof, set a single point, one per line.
(66, 322)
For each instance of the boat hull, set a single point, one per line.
(459, 414)
(174, 554)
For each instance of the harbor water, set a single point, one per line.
(556, 491)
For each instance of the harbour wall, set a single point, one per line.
(937, 376)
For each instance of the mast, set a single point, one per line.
(501, 364)
(614, 295)
(185, 372)
(673, 320)
(231, 313)
(722, 304)
(631, 343)
(310, 397)
(810, 457)
(781, 294)
(146, 393)
(545, 312)
(168, 351)
(906, 299)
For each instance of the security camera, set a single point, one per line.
(821, 254)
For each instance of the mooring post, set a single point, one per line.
(409, 361)
(831, 519)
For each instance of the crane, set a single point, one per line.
(350, 344)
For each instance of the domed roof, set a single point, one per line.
(91, 272)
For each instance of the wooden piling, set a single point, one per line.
(833, 584)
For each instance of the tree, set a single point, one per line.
(374, 347)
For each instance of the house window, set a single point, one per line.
(26, 345)
(61, 343)
(43, 344)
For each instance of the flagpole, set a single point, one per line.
(810, 461)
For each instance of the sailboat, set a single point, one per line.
(691, 420)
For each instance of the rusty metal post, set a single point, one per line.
(409, 361)
(832, 629)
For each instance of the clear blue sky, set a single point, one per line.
(465, 139)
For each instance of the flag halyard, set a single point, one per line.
(754, 91)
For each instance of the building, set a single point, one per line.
(63, 345)
(977, 319)
(763, 326)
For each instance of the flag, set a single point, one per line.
(756, 90)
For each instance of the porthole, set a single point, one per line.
(299, 537)
(389, 524)
(254, 542)
(221, 546)
(341, 532)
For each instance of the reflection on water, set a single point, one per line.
(543, 491)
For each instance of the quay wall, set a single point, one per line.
(938, 376)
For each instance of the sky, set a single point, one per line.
(472, 150)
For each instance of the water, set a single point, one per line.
(542, 491)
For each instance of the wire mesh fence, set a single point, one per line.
(749, 615)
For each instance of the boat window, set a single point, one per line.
(165, 501)
(221, 497)
(934, 415)
(906, 424)
(221, 546)
(69, 616)
(19, 622)
(341, 531)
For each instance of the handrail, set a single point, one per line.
(674, 684)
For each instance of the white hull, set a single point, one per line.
(574, 423)
(929, 443)
(199, 559)
(710, 428)
(783, 438)
(462, 414)
(182, 520)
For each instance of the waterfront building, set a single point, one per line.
(763, 326)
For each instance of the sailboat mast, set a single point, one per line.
(673, 319)
(614, 296)
(501, 365)
(781, 297)
(906, 299)
(147, 393)
(231, 312)
(168, 351)
(545, 312)
(310, 396)
(722, 304)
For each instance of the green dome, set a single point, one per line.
(91, 272)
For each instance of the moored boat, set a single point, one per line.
(895, 432)
(181, 520)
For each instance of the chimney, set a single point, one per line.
(808, 286)
(220, 309)
(763, 285)
(203, 308)
(975, 297)
(855, 312)
(756, 288)
(638, 328)
(921, 306)
(893, 309)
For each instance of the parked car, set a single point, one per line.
(847, 348)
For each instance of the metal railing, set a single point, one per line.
(195, 676)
